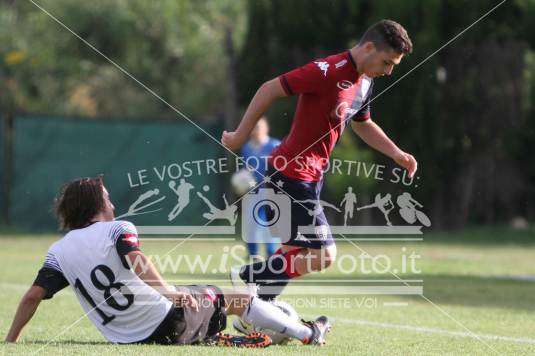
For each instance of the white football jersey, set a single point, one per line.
(123, 307)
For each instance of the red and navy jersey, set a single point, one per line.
(330, 92)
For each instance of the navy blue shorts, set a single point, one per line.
(309, 226)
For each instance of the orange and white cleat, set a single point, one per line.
(252, 340)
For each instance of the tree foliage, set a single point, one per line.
(173, 47)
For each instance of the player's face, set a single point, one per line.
(381, 62)
(108, 206)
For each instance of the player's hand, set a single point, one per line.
(232, 140)
(186, 300)
(407, 161)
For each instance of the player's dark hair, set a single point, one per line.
(78, 202)
(388, 34)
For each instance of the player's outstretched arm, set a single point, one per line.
(375, 137)
(263, 98)
(27, 307)
(146, 271)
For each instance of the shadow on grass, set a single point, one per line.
(474, 291)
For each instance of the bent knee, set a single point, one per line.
(325, 256)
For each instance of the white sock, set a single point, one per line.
(267, 316)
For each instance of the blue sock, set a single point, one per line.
(271, 248)
(252, 248)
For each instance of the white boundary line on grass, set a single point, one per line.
(429, 330)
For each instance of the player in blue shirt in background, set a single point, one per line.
(255, 153)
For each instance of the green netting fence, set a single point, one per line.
(137, 159)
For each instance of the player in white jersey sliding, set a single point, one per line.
(130, 302)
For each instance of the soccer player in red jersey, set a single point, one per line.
(333, 91)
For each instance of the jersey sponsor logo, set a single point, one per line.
(344, 84)
(340, 64)
(323, 66)
(343, 109)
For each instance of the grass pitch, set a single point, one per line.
(478, 298)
